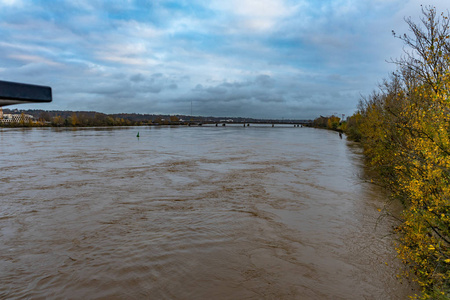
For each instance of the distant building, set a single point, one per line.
(15, 118)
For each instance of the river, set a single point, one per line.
(191, 213)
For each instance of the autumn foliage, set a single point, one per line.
(405, 130)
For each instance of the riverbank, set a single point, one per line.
(42, 118)
(404, 131)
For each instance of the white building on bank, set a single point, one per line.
(14, 118)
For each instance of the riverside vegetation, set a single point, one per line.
(58, 118)
(404, 128)
(88, 119)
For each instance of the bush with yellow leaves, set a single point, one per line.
(405, 131)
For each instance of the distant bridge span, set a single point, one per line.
(276, 122)
(12, 93)
(269, 122)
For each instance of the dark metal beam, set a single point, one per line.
(17, 93)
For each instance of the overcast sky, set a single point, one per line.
(250, 58)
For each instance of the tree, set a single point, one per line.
(74, 119)
(405, 131)
(174, 119)
(333, 122)
(427, 59)
(57, 121)
(44, 116)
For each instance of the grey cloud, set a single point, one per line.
(258, 85)
(156, 83)
(236, 85)
(151, 88)
(137, 77)
(217, 90)
(265, 81)
(260, 90)
(173, 86)
(198, 88)
(271, 98)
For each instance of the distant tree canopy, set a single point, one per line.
(82, 119)
(91, 118)
(332, 122)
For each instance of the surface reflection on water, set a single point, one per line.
(190, 213)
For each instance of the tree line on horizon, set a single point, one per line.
(58, 118)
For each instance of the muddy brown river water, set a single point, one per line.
(190, 213)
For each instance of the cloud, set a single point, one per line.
(33, 59)
(137, 77)
(17, 3)
(266, 58)
(255, 15)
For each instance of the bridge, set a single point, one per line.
(12, 93)
(295, 123)
(275, 122)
